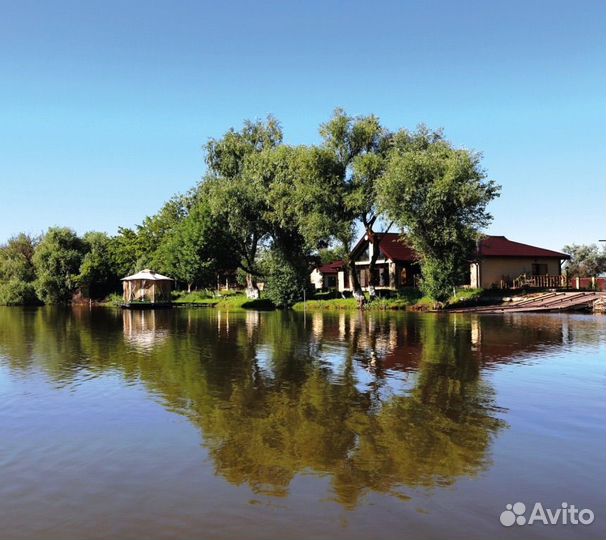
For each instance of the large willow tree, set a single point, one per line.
(438, 195)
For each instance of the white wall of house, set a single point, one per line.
(317, 279)
(490, 271)
(341, 281)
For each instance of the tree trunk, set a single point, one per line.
(375, 239)
(252, 290)
(372, 277)
(189, 287)
(355, 284)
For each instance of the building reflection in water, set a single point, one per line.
(144, 329)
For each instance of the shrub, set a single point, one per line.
(115, 299)
(440, 277)
(285, 282)
(18, 293)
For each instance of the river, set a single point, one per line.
(196, 423)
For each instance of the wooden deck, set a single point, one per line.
(552, 301)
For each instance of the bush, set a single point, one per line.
(18, 293)
(285, 283)
(115, 299)
(466, 297)
(440, 277)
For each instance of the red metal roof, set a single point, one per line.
(331, 268)
(394, 247)
(499, 246)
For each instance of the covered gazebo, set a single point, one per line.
(147, 287)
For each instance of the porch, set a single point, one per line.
(388, 276)
(540, 282)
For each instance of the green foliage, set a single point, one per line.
(332, 304)
(438, 195)
(285, 283)
(331, 254)
(98, 272)
(466, 297)
(270, 211)
(196, 248)
(404, 299)
(235, 200)
(115, 299)
(133, 250)
(226, 157)
(441, 276)
(586, 260)
(17, 293)
(125, 251)
(17, 271)
(193, 296)
(57, 259)
(358, 146)
(16, 259)
(230, 302)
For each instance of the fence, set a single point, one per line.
(558, 282)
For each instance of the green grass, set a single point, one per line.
(335, 303)
(405, 299)
(113, 300)
(465, 296)
(194, 297)
(229, 302)
(482, 297)
(402, 300)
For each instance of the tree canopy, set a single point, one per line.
(438, 196)
(57, 259)
(271, 211)
(586, 260)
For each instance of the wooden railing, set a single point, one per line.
(543, 282)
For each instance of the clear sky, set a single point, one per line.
(104, 106)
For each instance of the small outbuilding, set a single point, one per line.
(324, 277)
(147, 288)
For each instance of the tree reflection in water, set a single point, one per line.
(379, 402)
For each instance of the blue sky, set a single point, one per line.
(100, 100)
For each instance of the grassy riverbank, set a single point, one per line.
(403, 300)
(410, 299)
(226, 302)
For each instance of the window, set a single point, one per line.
(364, 277)
(383, 277)
(539, 269)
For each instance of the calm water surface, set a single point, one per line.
(202, 424)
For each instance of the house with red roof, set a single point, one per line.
(499, 261)
(325, 277)
(397, 263)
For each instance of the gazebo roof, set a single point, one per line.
(147, 275)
